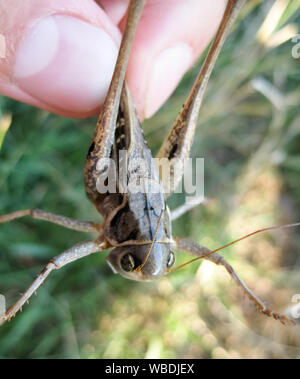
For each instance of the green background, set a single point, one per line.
(251, 144)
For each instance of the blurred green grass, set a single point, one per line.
(249, 135)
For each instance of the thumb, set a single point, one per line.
(60, 56)
(171, 36)
(57, 55)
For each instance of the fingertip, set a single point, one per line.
(16, 93)
(63, 60)
(66, 63)
(167, 70)
(170, 37)
(115, 9)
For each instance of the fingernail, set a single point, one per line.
(169, 66)
(66, 63)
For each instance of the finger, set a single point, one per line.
(72, 85)
(170, 37)
(115, 9)
(57, 55)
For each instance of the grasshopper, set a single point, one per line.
(137, 225)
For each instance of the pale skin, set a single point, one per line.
(184, 27)
(184, 128)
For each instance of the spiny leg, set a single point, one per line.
(103, 138)
(76, 252)
(176, 147)
(70, 223)
(201, 251)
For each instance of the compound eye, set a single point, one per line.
(171, 259)
(127, 262)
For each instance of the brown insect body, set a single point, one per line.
(131, 219)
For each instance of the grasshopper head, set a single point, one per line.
(131, 262)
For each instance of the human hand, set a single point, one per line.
(60, 55)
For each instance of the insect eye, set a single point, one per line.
(171, 259)
(127, 262)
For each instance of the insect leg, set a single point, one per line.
(103, 138)
(186, 207)
(76, 252)
(70, 223)
(176, 147)
(201, 251)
